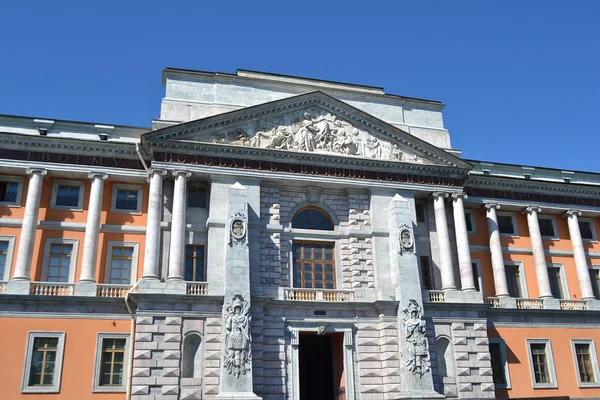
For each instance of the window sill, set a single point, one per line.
(129, 212)
(545, 386)
(510, 235)
(109, 389)
(66, 208)
(40, 389)
(585, 385)
(9, 204)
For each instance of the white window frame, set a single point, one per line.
(19, 180)
(74, 254)
(96, 387)
(563, 279)
(514, 224)
(553, 384)
(471, 215)
(55, 387)
(62, 182)
(504, 361)
(479, 278)
(113, 200)
(134, 261)
(594, 357)
(554, 228)
(593, 228)
(522, 279)
(9, 256)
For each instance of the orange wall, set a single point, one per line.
(564, 361)
(79, 355)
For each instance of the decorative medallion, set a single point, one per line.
(237, 348)
(416, 356)
(406, 238)
(238, 228)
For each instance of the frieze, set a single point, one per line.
(63, 158)
(536, 197)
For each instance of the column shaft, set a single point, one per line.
(92, 229)
(500, 284)
(581, 265)
(176, 251)
(30, 220)
(465, 266)
(537, 247)
(155, 205)
(441, 225)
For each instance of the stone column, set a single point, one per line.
(87, 280)
(537, 247)
(155, 208)
(500, 284)
(177, 249)
(441, 226)
(581, 265)
(20, 281)
(467, 281)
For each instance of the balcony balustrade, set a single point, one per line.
(197, 288)
(329, 295)
(52, 289)
(108, 290)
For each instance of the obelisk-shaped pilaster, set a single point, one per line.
(236, 355)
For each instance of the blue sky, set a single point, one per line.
(521, 79)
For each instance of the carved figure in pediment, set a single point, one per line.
(307, 129)
(374, 147)
(411, 158)
(396, 153)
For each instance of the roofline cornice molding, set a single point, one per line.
(530, 186)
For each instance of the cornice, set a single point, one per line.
(530, 186)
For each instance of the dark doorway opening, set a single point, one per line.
(321, 364)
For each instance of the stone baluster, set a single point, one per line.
(581, 265)
(467, 281)
(441, 225)
(537, 248)
(498, 270)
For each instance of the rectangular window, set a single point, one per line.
(426, 273)
(585, 366)
(420, 211)
(547, 226)
(4, 244)
(470, 220)
(505, 224)
(586, 228)
(67, 196)
(121, 262)
(499, 364)
(196, 197)
(60, 262)
(595, 278)
(314, 265)
(43, 363)
(194, 263)
(8, 191)
(127, 199)
(556, 286)
(513, 280)
(541, 363)
(476, 276)
(110, 372)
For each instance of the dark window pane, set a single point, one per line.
(585, 228)
(497, 364)
(595, 278)
(197, 197)
(8, 191)
(540, 367)
(309, 269)
(194, 263)
(310, 218)
(546, 227)
(505, 224)
(426, 273)
(476, 276)
(584, 362)
(127, 199)
(68, 196)
(420, 211)
(469, 222)
(555, 282)
(513, 280)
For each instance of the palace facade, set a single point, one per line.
(279, 237)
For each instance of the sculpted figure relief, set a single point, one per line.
(237, 346)
(317, 131)
(416, 356)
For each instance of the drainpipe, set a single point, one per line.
(137, 150)
(131, 338)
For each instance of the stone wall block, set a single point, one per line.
(143, 337)
(172, 337)
(143, 380)
(144, 320)
(146, 328)
(140, 390)
(169, 328)
(173, 320)
(141, 372)
(170, 390)
(142, 354)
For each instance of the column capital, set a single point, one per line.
(40, 171)
(571, 213)
(461, 195)
(179, 172)
(153, 171)
(531, 210)
(489, 206)
(443, 195)
(101, 175)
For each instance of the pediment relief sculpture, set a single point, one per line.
(315, 130)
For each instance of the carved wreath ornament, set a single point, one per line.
(237, 348)
(416, 355)
(238, 228)
(406, 238)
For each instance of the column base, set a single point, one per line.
(507, 302)
(459, 296)
(88, 288)
(18, 287)
(175, 286)
(238, 396)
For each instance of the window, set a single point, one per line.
(547, 226)
(121, 263)
(126, 198)
(7, 244)
(194, 263)
(586, 228)
(445, 357)
(420, 211)
(110, 372)
(313, 265)
(476, 276)
(505, 224)
(470, 220)
(312, 218)
(10, 190)
(586, 362)
(595, 278)
(196, 197)
(43, 362)
(556, 286)
(426, 273)
(499, 363)
(67, 195)
(60, 262)
(191, 359)
(541, 363)
(513, 280)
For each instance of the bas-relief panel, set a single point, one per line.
(318, 131)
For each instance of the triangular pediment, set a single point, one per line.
(313, 123)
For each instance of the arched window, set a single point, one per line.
(445, 359)
(312, 218)
(191, 360)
